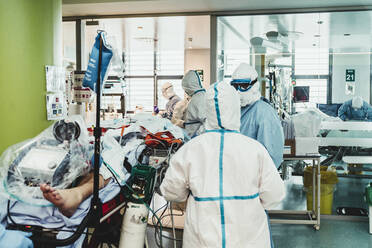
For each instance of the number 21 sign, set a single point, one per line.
(350, 75)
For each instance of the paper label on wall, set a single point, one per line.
(56, 106)
(350, 88)
(55, 78)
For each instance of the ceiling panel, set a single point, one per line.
(340, 31)
(110, 7)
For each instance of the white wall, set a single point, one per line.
(57, 33)
(198, 59)
(361, 64)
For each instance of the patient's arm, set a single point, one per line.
(68, 200)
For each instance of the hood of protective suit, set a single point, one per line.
(191, 82)
(223, 106)
(167, 90)
(244, 72)
(357, 102)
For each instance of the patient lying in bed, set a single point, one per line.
(54, 188)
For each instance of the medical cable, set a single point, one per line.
(147, 206)
(158, 234)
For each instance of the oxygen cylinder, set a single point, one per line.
(133, 229)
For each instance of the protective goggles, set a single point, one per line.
(243, 85)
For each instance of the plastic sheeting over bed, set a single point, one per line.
(129, 147)
(57, 156)
(307, 123)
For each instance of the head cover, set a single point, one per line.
(357, 102)
(223, 102)
(244, 73)
(167, 90)
(244, 79)
(191, 83)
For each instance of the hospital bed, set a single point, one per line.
(349, 141)
(139, 187)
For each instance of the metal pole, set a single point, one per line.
(319, 185)
(97, 132)
(78, 44)
(213, 49)
(314, 189)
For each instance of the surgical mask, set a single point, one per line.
(250, 95)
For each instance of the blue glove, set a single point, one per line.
(156, 110)
(15, 239)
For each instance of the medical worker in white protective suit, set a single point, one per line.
(228, 179)
(259, 120)
(195, 111)
(169, 94)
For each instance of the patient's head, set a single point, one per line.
(357, 102)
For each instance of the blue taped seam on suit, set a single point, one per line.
(226, 198)
(198, 79)
(218, 113)
(221, 198)
(201, 90)
(222, 210)
(221, 131)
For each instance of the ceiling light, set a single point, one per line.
(275, 36)
(260, 42)
(293, 35)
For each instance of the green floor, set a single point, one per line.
(332, 234)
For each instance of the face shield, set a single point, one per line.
(243, 85)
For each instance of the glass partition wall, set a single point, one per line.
(152, 49)
(325, 58)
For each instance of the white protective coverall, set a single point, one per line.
(195, 112)
(228, 179)
(168, 93)
(179, 112)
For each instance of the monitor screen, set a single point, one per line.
(301, 93)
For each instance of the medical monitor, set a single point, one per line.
(301, 93)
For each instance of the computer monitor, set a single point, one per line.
(301, 94)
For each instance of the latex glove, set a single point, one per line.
(156, 109)
(15, 239)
